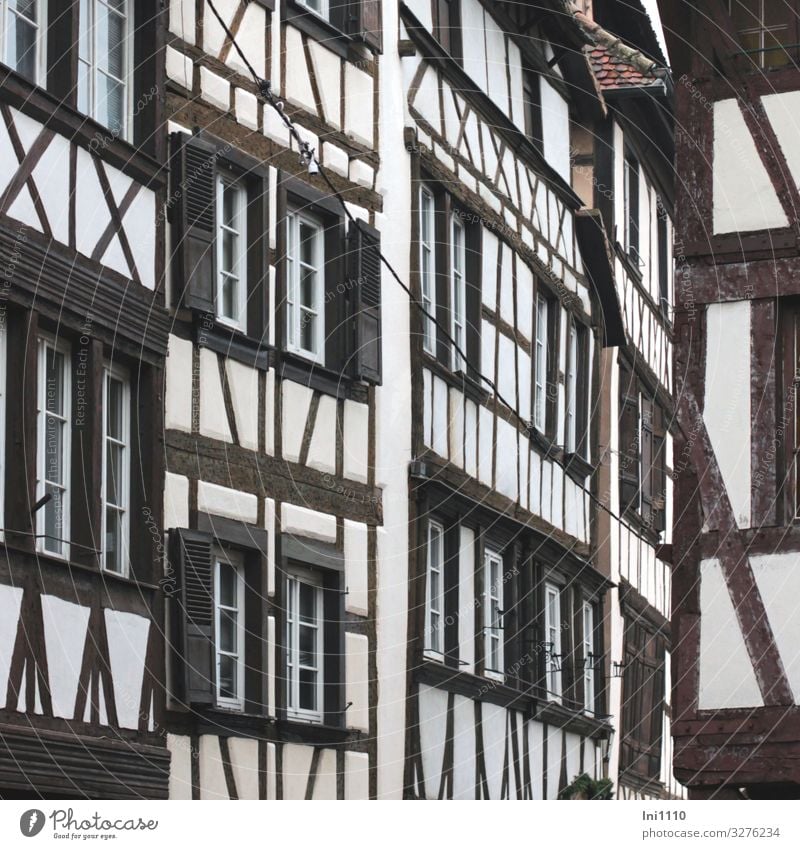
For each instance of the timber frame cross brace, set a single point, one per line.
(733, 558)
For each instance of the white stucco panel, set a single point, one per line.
(726, 410)
(127, 649)
(743, 195)
(65, 626)
(727, 679)
(10, 601)
(357, 681)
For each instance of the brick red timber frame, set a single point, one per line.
(718, 751)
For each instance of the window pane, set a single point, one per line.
(308, 612)
(116, 413)
(308, 281)
(308, 235)
(110, 41)
(227, 677)
(229, 205)
(227, 631)
(308, 646)
(84, 36)
(230, 288)
(21, 46)
(308, 689)
(308, 332)
(83, 87)
(54, 450)
(227, 585)
(228, 250)
(113, 560)
(114, 474)
(54, 380)
(53, 520)
(110, 103)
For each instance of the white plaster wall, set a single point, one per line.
(243, 382)
(213, 418)
(296, 768)
(432, 729)
(180, 767)
(295, 402)
(463, 748)
(555, 129)
(726, 409)
(727, 679)
(743, 195)
(212, 774)
(65, 626)
(356, 775)
(244, 765)
(308, 523)
(356, 441)
(127, 649)
(223, 501)
(357, 681)
(356, 567)
(322, 448)
(178, 412)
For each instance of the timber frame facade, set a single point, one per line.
(83, 340)
(736, 722)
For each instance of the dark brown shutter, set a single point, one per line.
(193, 188)
(472, 238)
(364, 252)
(365, 23)
(648, 471)
(193, 633)
(551, 407)
(628, 441)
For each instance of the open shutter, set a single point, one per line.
(659, 474)
(473, 236)
(365, 23)
(648, 470)
(193, 174)
(190, 557)
(365, 276)
(628, 442)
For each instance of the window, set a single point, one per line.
(116, 471)
(572, 389)
(305, 286)
(589, 660)
(532, 96)
(104, 62)
(23, 43)
(319, 7)
(435, 589)
(575, 437)
(552, 627)
(766, 31)
(231, 251)
(664, 267)
(427, 268)
(631, 206)
(447, 26)
(229, 629)
(493, 610)
(53, 450)
(642, 471)
(643, 700)
(458, 293)
(541, 365)
(304, 648)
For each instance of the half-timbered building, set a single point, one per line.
(271, 506)
(83, 335)
(622, 167)
(505, 693)
(735, 619)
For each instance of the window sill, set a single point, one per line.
(456, 379)
(573, 720)
(638, 523)
(577, 467)
(316, 733)
(317, 27)
(629, 262)
(308, 373)
(232, 343)
(474, 686)
(545, 444)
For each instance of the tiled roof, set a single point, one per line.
(615, 64)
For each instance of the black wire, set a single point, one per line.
(309, 156)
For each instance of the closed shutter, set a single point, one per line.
(193, 619)
(364, 252)
(473, 302)
(553, 322)
(365, 23)
(659, 470)
(628, 442)
(193, 188)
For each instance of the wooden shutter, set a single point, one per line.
(193, 620)
(473, 239)
(193, 187)
(364, 252)
(628, 441)
(659, 470)
(365, 23)
(648, 484)
(553, 347)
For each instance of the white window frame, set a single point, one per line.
(761, 31)
(48, 343)
(434, 606)
(458, 290)
(571, 422)
(427, 267)
(589, 693)
(93, 65)
(293, 711)
(226, 180)
(540, 363)
(323, 12)
(493, 614)
(236, 562)
(40, 60)
(114, 372)
(293, 309)
(552, 629)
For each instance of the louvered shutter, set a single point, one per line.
(628, 442)
(649, 477)
(190, 557)
(366, 23)
(193, 188)
(365, 278)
